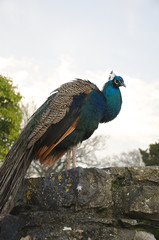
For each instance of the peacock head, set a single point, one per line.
(117, 80)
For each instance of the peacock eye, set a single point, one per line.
(116, 81)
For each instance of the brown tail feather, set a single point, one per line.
(54, 157)
(44, 152)
(12, 173)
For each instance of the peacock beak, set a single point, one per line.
(123, 84)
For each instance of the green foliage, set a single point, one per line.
(150, 156)
(10, 115)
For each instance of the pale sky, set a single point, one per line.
(47, 43)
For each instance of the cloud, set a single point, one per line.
(7, 62)
(24, 73)
(64, 72)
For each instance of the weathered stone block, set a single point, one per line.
(88, 204)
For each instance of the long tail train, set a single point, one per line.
(12, 173)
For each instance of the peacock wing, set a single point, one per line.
(57, 106)
(59, 117)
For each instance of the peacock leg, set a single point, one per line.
(68, 158)
(74, 148)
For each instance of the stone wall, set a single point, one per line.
(88, 204)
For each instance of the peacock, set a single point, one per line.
(69, 116)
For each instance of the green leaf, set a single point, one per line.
(10, 115)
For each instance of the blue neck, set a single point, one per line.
(113, 101)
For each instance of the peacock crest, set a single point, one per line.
(112, 75)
